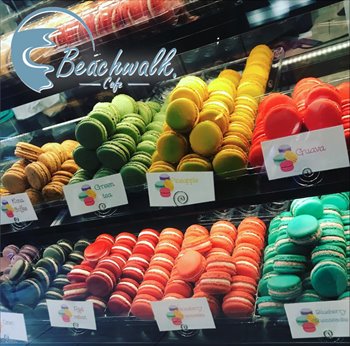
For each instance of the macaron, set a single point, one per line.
(134, 174)
(20, 270)
(101, 282)
(308, 206)
(289, 264)
(86, 158)
(113, 155)
(304, 229)
(215, 282)
(194, 163)
(191, 266)
(141, 307)
(125, 104)
(267, 306)
(284, 288)
(238, 304)
(119, 303)
(221, 263)
(76, 291)
(172, 146)
(29, 292)
(90, 133)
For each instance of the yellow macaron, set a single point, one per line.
(231, 75)
(196, 83)
(187, 92)
(218, 117)
(224, 97)
(172, 146)
(222, 84)
(161, 166)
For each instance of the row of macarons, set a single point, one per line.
(307, 258)
(30, 277)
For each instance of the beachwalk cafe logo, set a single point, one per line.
(34, 75)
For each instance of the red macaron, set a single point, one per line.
(215, 282)
(168, 247)
(139, 259)
(111, 264)
(238, 304)
(213, 302)
(97, 250)
(172, 234)
(145, 247)
(246, 266)
(244, 283)
(109, 239)
(150, 235)
(157, 273)
(129, 286)
(141, 307)
(79, 273)
(221, 263)
(126, 238)
(101, 282)
(135, 272)
(191, 266)
(153, 288)
(76, 291)
(163, 260)
(119, 303)
(99, 305)
(178, 286)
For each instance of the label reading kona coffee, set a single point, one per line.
(12, 327)
(71, 314)
(319, 319)
(305, 153)
(180, 188)
(96, 194)
(183, 314)
(16, 208)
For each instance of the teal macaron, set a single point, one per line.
(331, 211)
(307, 206)
(90, 133)
(113, 155)
(86, 159)
(268, 265)
(285, 245)
(306, 281)
(340, 200)
(269, 252)
(309, 296)
(285, 217)
(344, 296)
(125, 104)
(274, 223)
(333, 236)
(134, 174)
(130, 130)
(267, 306)
(262, 287)
(345, 216)
(327, 252)
(284, 288)
(272, 236)
(147, 146)
(329, 279)
(289, 264)
(304, 229)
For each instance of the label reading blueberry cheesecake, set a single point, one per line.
(319, 319)
(12, 327)
(180, 188)
(183, 314)
(71, 314)
(16, 208)
(305, 153)
(96, 194)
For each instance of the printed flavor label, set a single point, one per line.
(71, 314)
(16, 208)
(183, 314)
(12, 327)
(305, 153)
(319, 319)
(180, 188)
(95, 194)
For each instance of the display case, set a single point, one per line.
(306, 39)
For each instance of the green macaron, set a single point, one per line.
(86, 159)
(106, 118)
(104, 172)
(81, 245)
(108, 107)
(134, 174)
(142, 157)
(150, 136)
(155, 126)
(285, 245)
(90, 133)
(155, 106)
(125, 104)
(262, 287)
(51, 265)
(159, 117)
(147, 146)
(113, 155)
(56, 252)
(130, 130)
(145, 111)
(135, 120)
(126, 140)
(20, 270)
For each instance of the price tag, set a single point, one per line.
(95, 194)
(180, 188)
(305, 153)
(319, 319)
(183, 314)
(16, 208)
(71, 314)
(12, 327)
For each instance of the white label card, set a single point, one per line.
(319, 319)
(12, 327)
(180, 188)
(307, 152)
(95, 194)
(16, 208)
(183, 314)
(71, 314)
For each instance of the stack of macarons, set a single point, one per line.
(306, 258)
(118, 136)
(30, 280)
(232, 157)
(314, 105)
(41, 172)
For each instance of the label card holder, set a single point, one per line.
(12, 327)
(307, 152)
(183, 314)
(95, 194)
(71, 314)
(16, 208)
(180, 188)
(319, 319)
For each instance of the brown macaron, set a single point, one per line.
(38, 175)
(53, 191)
(62, 177)
(69, 145)
(57, 148)
(51, 160)
(15, 179)
(69, 166)
(27, 151)
(35, 196)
